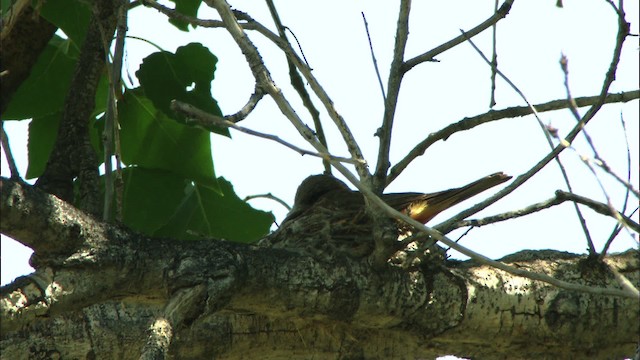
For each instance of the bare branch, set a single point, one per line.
(110, 133)
(431, 54)
(210, 122)
(493, 115)
(269, 196)
(373, 58)
(494, 57)
(4, 140)
(248, 107)
(393, 90)
(73, 156)
(298, 84)
(561, 196)
(547, 135)
(253, 57)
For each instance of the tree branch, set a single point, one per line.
(210, 122)
(73, 155)
(502, 12)
(186, 287)
(393, 91)
(561, 196)
(493, 115)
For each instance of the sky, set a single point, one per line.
(531, 41)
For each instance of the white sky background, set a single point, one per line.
(530, 42)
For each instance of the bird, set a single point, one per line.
(328, 216)
(328, 190)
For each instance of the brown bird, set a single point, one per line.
(326, 213)
(329, 191)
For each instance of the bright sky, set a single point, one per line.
(530, 42)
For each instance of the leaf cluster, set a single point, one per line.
(169, 184)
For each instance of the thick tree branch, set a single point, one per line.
(73, 155)
(186, 289)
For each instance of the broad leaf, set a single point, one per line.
(185, 76)
(44, 91)
(42, 136)
(72, 17)
(43, 132)
(150, 198)
(206, 213)
(161, 203)
(186, 7)
(151, 140)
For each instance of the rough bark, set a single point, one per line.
(102, 291)
(73, 155)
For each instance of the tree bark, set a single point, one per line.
(103, 291)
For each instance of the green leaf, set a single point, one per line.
(161, 203)
(44, 91)
(49, 83)
(186, 7)
(150, 198)
(151, 140)
(206, 213)
(102, 93)
(185, 76)
(71, 16)
(6, 5)
(43, 132)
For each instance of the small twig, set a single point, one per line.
(597, 159)
(242, 114)
(298, 84)
(209, 122)
(396, 72)
(617, 228)
(111, 113)
(494, 58)
(271, 197)
(262, 76)
(561, 197)
(547, 135)
(494, 115)
(600, 208)
(460, 237)
(431, 54)
(373, 58)
(614, 233)
(299, 46)
(13, 169)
